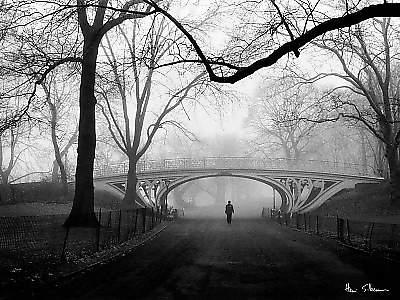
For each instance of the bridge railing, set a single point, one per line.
(237, 163)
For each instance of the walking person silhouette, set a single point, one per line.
(229, 211)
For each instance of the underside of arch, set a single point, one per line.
(300, 192)
(284, 193)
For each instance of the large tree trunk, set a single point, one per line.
(381, 164)
(56, 177)
(54, 172)
(82, 213)
(5, 192)
(4, 176)
(130, 198)
(392, 154)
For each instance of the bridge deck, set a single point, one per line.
(228, 163)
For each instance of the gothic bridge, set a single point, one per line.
(302, 185)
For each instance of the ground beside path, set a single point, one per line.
(249, 259)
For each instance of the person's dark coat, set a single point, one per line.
(229, 209)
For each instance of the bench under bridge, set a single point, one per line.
(303, 185)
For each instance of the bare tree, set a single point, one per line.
(10, 153)
(97, 18)
(34, 44)
(131, 134)
(8, 140)
(278, 31)
(58, 92)
(367, 56)
(104, 20)
(380, 164)
(38, 48)
(279, 119)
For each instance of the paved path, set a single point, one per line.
(250, 259)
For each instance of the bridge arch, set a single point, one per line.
(302, 185)
(285, 194)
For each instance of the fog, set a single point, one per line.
(251, 209)
(206, 198)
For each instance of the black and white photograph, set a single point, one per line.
(199, 149)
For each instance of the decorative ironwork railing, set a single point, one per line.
(238, 163)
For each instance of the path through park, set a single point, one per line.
(249, 259)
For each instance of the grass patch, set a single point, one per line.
(43, 192)
(364, 201)
(46, 198)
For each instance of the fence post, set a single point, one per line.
(65, 244)
(98, 233)
(370, 236)
(109, 220)
(305, 222)
(348, 230)
(340, 228)
(152, 218)
(131, 223)
(136, 217)
(128, 224)
(119, 225)
(317, 224)
(144, 220)
(392, 235)
(337, 226)
(297, 221)
(279, 217)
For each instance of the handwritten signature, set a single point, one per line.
(365, 289)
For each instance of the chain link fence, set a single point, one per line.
(36, 239)
(374, 237)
